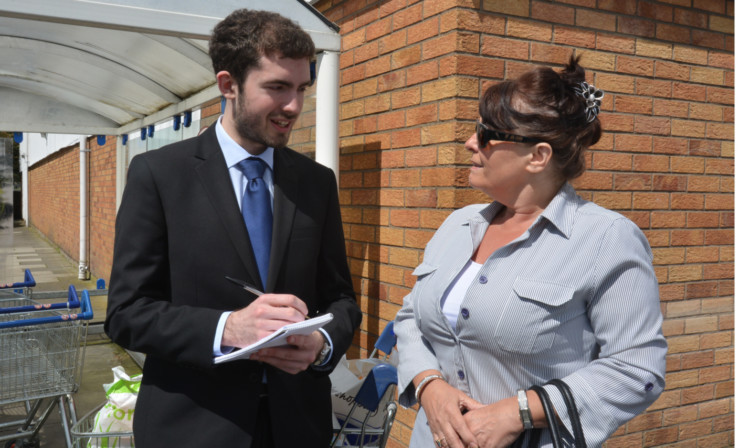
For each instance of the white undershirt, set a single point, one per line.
(456, 292)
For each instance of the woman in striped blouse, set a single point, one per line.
(537, 285)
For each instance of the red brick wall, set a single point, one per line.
(411, 74)
(102, 206)
(54, 206)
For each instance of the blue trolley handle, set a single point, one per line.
(86, 312)
(72, 302)
(28, 282)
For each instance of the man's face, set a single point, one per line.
(269, 103)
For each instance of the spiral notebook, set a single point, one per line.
(277, 338)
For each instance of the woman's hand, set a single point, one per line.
(496, 425)
(443, 405)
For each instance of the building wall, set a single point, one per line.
(54, 207)
(411, 74)
(54, 202)
(102, 206)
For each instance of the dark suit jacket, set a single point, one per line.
(179, 231)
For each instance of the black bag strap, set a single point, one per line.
(549, 413)
(551, 417)
(567, 394)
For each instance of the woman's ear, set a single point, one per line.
(541, 157)
(227, 85)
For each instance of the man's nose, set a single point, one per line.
(293, 104)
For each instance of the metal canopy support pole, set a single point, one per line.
(327, 111)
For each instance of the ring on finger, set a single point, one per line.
(439, 442)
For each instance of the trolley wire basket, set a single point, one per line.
(85, 434)
(41, 355)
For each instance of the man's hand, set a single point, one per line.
(262, 317)
(302, 351)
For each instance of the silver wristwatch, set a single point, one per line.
(323, 353)
(523, 409)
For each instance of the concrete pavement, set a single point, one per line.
(54, 272)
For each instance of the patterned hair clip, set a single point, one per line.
(593, 98)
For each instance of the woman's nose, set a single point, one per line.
(472, 144)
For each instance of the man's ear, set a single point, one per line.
(227, 85)
(541, 157)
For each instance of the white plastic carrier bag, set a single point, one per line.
(116, 416)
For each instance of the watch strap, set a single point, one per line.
(523, 410)
(323, 354)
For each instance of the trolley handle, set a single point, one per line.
(86, 313)
(72, 302)
(28, 282)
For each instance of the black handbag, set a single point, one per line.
(553, 423)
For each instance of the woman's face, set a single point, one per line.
(500, 167)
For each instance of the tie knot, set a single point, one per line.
(252, 167)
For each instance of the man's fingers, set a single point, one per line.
(285, 305)
(290, 360)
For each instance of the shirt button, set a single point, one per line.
(482, 279)
(465, 313)
(649, 387)
(461, 375)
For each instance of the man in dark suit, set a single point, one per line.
(180, 231)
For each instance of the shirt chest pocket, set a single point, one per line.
(424, 292)
(535, 315)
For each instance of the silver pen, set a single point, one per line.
(246, 286)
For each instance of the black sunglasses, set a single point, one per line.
(485, 134)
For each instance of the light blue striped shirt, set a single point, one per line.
(575, 297)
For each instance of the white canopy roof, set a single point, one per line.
(113, 66)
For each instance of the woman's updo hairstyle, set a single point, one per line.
(549, 106)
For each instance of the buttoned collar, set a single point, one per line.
(234, 153)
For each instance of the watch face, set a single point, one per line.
(323, 354)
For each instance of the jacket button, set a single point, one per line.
(465, 313)
(461, 375)
(649, 387)
(482, 279)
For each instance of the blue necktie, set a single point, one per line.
(256, 210)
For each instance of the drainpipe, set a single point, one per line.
(327, 112)
(83, 268)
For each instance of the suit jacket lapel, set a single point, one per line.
(213, 174)
(284, 207)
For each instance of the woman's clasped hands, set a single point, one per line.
(458, 421)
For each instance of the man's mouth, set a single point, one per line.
(283, 125)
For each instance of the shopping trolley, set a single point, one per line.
(85, 434)
(41, 353)
(23, 287)
(378, 387)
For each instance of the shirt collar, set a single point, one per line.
(234, 153)
(560, 212)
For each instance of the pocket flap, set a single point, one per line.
(424, 268)
(552, 294)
